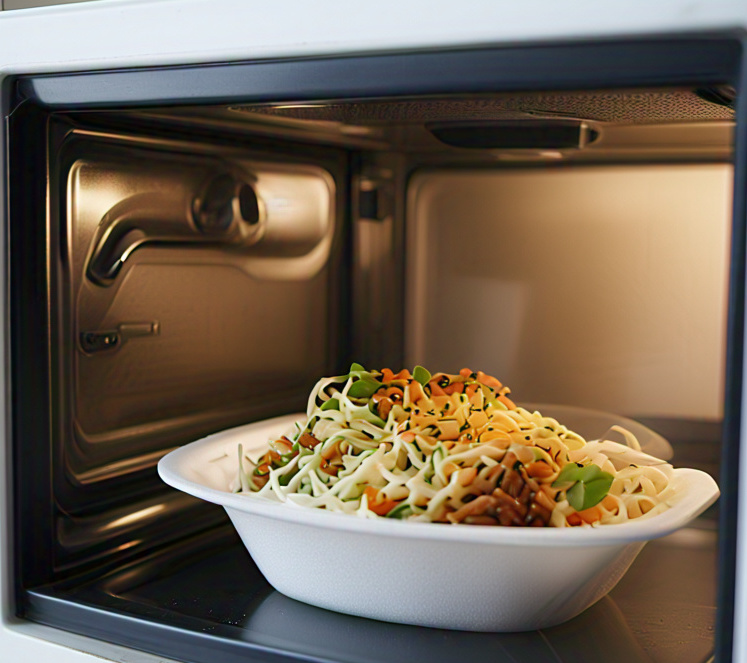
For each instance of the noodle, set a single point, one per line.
(451, 449)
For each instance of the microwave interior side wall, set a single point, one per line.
(208, 264)
(601, 286)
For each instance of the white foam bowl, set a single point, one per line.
(448, 576)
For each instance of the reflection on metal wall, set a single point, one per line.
(197, 295)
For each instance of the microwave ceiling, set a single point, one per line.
(670, 123)
(628, 106)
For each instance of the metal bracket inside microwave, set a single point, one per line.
(274, 221)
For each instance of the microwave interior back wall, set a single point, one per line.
(184, 263)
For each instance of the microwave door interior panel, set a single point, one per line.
(191, 250)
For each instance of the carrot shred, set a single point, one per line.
(416, 391)
(436, 389)
(539, 469)
(387, 375)
(380, 508)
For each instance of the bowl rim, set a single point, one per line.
(697, 491)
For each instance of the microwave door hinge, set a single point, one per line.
(99, 341)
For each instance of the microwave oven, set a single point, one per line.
(209, 205)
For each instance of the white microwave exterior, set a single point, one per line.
(127, 33)
(132, 33)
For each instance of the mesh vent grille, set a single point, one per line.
(633, 107)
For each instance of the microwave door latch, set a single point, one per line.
(99, 341)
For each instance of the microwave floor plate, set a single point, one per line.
(209, 602)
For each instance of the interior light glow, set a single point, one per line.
(529, 155)
(286, 106)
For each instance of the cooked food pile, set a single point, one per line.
(450, 449)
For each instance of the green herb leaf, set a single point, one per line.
(590, 473)
(422, 375)
(575, 496)
(586, 485)
(331, 404)
(568, 475)
(597, 490)
(356, 368)
(364, 388)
